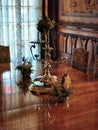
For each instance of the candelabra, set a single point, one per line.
(48, 83)
(46, 78)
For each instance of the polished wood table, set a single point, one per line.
(19, 111)
(13, 87)
(10, 86)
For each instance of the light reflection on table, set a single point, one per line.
(12, 96)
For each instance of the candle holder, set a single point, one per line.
(46, 61)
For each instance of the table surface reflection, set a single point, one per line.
(19, 111)
(14, 90)
(11, 93)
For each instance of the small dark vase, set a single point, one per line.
(23, 85)
(26, 75)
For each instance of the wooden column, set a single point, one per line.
(46, 8)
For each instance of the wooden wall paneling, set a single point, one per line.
(95, 73)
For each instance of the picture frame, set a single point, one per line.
(79, 12)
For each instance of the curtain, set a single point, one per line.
(18, 20)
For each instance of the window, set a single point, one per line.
(18, 19)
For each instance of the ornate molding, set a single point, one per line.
(92, 26)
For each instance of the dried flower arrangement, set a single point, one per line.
(25, 68)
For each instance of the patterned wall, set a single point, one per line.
(80, 6)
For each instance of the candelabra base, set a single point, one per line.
(45, 81)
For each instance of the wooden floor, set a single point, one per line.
(19, 111)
